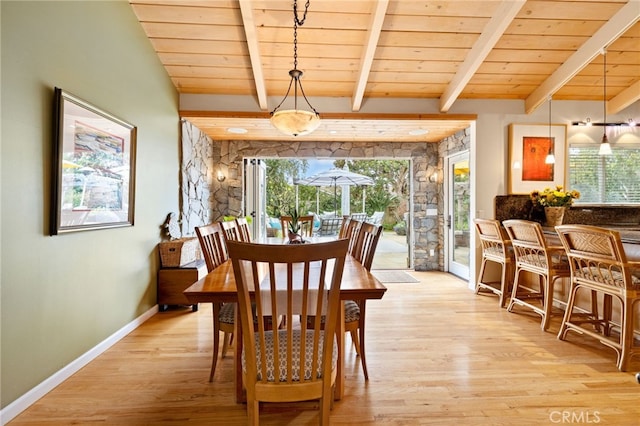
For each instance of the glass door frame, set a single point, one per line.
(450, 265)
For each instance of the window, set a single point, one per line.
(609, 179)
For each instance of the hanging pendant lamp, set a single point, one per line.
(605, 148)
(295, 122)
(550, 159)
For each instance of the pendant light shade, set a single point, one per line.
(295, 122)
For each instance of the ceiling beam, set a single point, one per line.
(501, 19)
(249, 24)
(373, 35)
(619, 23)
(624, 99)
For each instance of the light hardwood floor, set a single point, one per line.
(436, 352)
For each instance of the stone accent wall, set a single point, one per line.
(205, 200)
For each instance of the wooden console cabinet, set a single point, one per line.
(173, 281)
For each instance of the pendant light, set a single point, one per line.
(605, 148)
(550, 159)
(296, 122)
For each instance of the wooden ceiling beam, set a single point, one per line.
(501, 19)
(373, 35)
(626, 17)
(249, 24)
(624, 99)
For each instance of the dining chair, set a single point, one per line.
(349, 230)
(599, 265)
(214, 250)
(231, 230)
(292, 363)
(533, 254)
(496, 248)
(306, 225)
(243, 229)
(365, 242)
(330, 226)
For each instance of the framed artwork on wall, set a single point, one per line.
(529, 145)
(93, 170)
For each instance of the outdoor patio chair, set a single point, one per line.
(330, 226)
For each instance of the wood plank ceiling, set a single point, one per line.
(365, 49)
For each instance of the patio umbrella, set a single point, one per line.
(335, 177)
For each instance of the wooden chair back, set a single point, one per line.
(212, 244)
(243, 228)
(231, 230)
(366, 242)
(293, 362)
(350, 232)
(306, 225)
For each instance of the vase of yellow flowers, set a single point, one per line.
(555, 202)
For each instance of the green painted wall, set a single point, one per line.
(62, 295)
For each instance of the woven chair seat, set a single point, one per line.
(227, 313)
(605, 276)
(351, 312)
(282, 350)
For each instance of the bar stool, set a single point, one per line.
(533, 254)
(599, 265)
(496, 248)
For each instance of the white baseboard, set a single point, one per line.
(9, 412)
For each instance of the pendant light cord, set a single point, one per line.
(604, 73)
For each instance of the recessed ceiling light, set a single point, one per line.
(418, 132)
(237, 130)
(333, 132)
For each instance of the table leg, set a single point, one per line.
(340, 330)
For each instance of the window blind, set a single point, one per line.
(608, 179)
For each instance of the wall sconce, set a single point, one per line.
(434, 177)
(220, 176)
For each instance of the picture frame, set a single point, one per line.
(93, 170)
(529, 145)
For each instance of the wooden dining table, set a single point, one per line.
(219, 286)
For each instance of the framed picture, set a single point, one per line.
(529, 145)
(93, 167)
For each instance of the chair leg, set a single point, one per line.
(253, 412)
(481, 274)
(504, 283)
(356, 342)
(562, 334)
(363, 359)
(325, 408)
(626, 335)
(514, 291)
(226, 342)
(216, 339)
(548, 302)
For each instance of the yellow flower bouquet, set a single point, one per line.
(557, 197)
